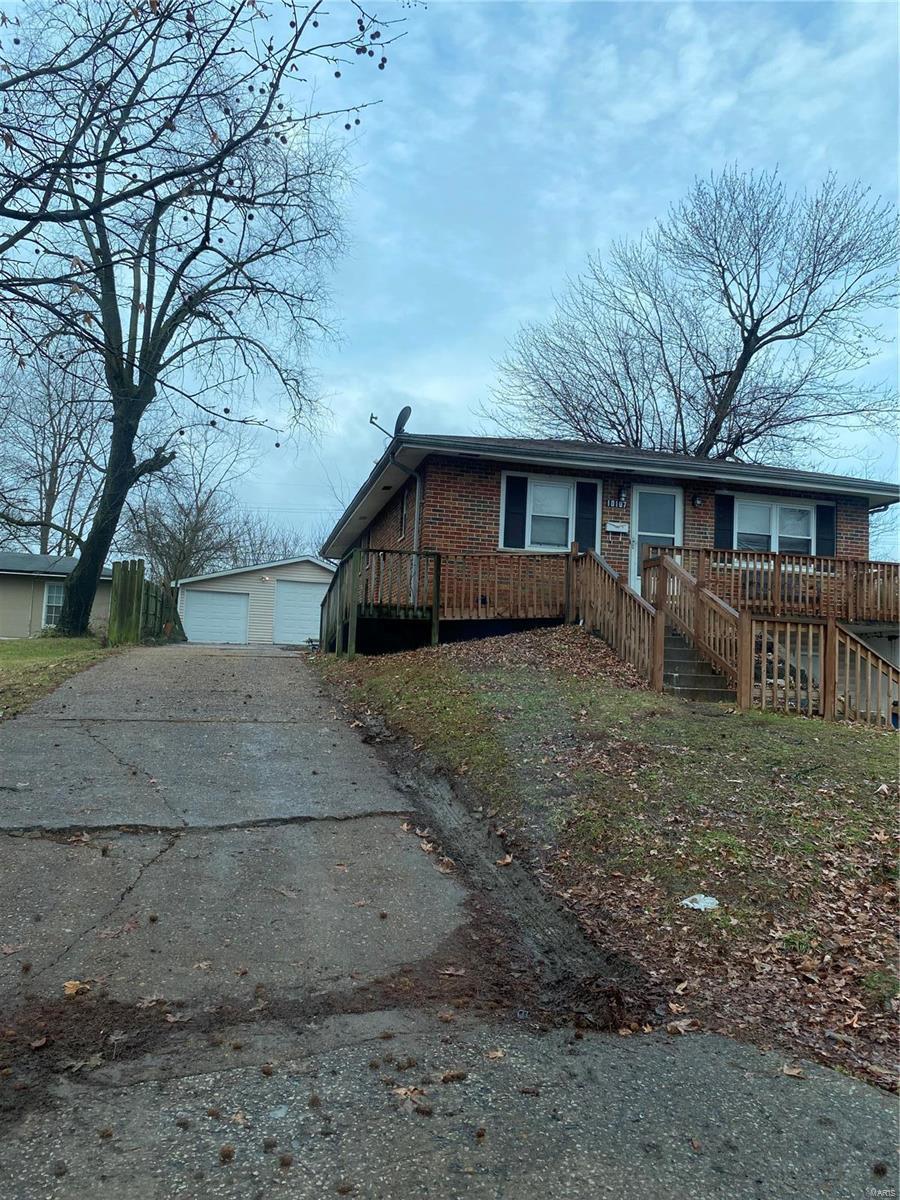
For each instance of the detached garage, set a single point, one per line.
(270, 604)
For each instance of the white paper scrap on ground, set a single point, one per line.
(700, 902)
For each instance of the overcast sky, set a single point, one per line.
(515, 138)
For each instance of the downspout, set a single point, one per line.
(417, 528)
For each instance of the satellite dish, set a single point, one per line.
(402, 417)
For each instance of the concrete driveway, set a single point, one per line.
(295, 974)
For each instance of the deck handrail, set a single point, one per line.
(706, 621)
(607, 605)
(783, 584)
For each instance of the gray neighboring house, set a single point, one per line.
(31, 593)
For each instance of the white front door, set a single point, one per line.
(656, 520)
(297, 608)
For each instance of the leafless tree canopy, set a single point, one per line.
(168, 213)
(189, 521)
(52, 445)
(733, 329)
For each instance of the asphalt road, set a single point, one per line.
(278, 992)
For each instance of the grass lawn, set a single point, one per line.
(627, 802)
(32, 667)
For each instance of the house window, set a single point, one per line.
(53, 602)
(794, 530)
(752, 525)
(785, 528)
(547, 513)
(403, 499)
(551, 515)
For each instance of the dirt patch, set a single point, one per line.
(78, 1034)
(483, 970)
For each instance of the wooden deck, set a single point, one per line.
(797, 585)
(769, 623)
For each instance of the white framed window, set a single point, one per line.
(403, 500)
(787, 527)
(53, 602)
(546, 511)
(550, 515)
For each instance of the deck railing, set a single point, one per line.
(809, 665)
(499, 585)
(803, 585)
(387, 584)
(707, 622)
(606, 605)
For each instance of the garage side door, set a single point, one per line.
(216, 616)
(297, 611)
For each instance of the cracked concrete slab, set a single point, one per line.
(181, 683)
(546, 1117)
(195, 915)
(105, 749)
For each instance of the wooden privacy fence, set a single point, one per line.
(140, 610)
(803, 585)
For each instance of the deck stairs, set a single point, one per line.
(690, 675)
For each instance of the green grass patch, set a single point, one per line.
(635, 801)
(32, 667)
(743, 805)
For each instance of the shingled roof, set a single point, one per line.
(14, 562)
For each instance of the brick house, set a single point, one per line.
(469, 494)
(503, 514)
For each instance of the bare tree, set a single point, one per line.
(210, 276)
(51, 459)
(731, 330)
(189, 520)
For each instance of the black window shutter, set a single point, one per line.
(514, 511)
(724, 529)
(586, 516)
(826, 542)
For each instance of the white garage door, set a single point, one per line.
(216, 616)
(297, 608)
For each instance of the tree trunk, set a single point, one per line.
(81, 585)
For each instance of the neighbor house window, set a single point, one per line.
(786, 528)
(542, 512)
(53, 602)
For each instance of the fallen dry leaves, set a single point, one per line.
(798, 847)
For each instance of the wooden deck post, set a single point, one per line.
(569, 591)
(658, 668)
(436, 602)
(776, 587)
(353, 616)
(828, 669)
(745, 661)
(702, 568)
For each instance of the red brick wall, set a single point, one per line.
(461, 510)
(852, 524)
(384, 532)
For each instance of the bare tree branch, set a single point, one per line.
(734, 329)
